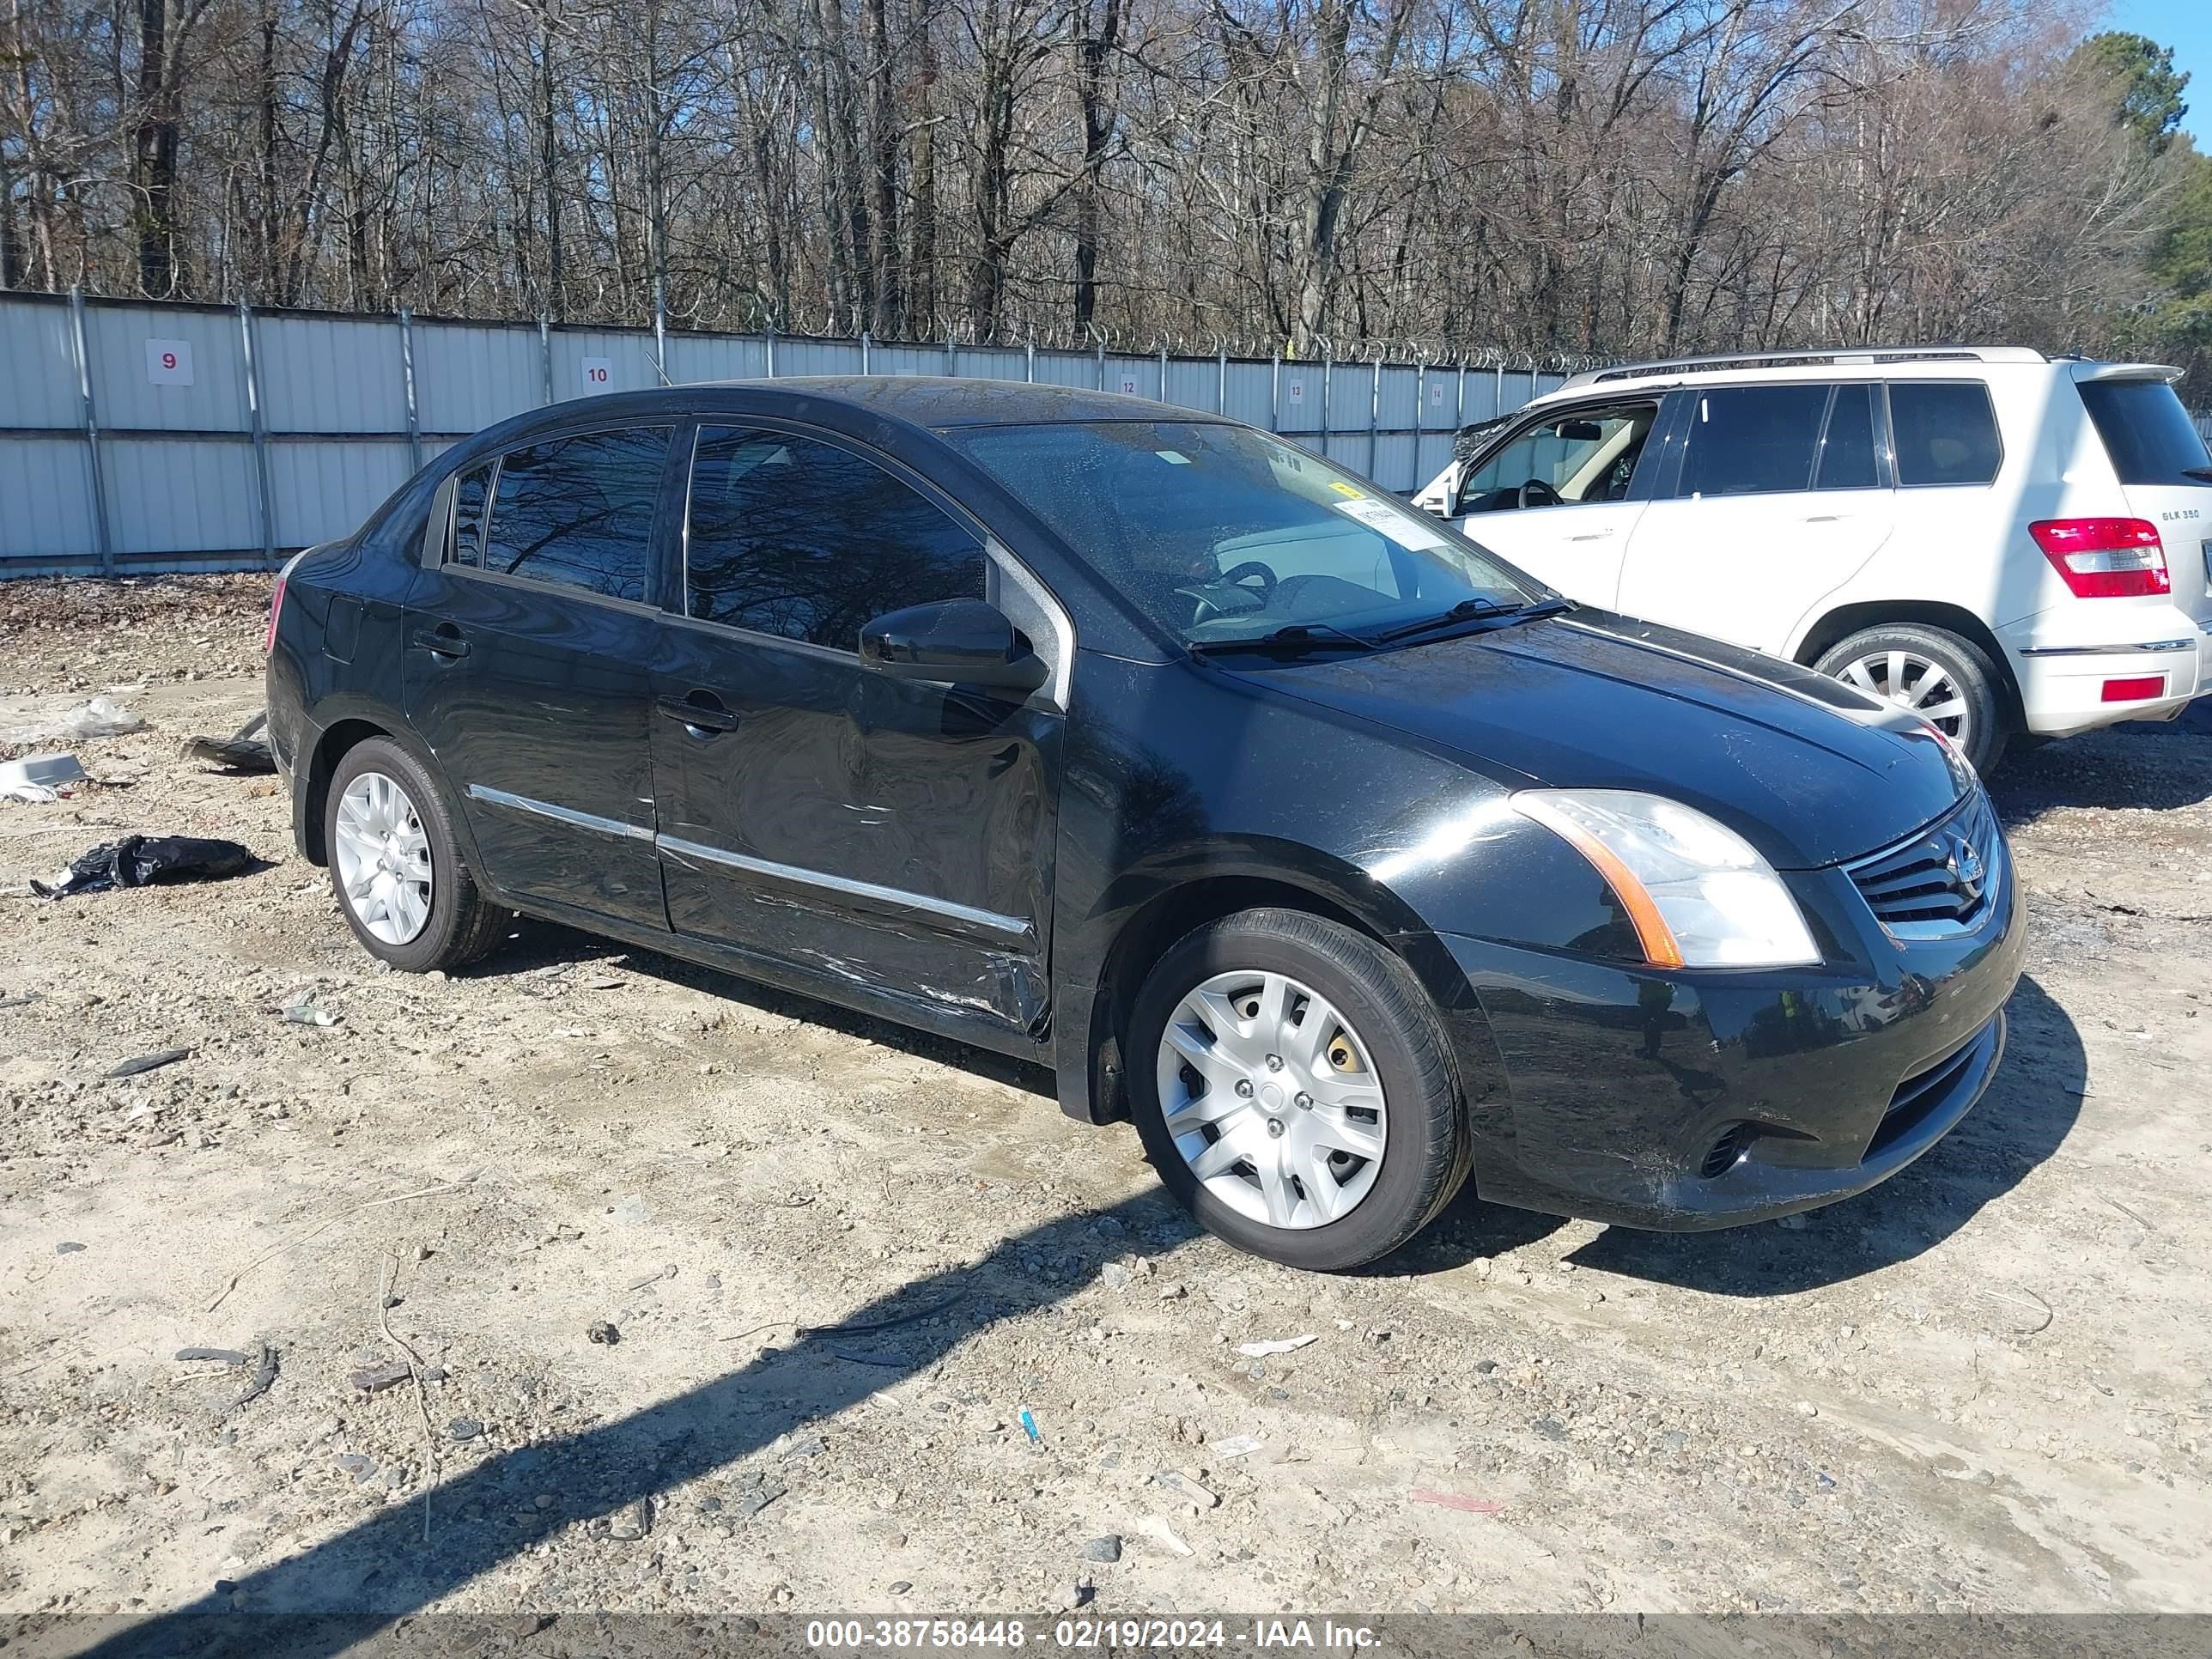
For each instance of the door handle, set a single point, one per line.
(702, 718)
(1826, 518)
(444, 641)
(1594, 536)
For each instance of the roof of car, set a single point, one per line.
(1868, 359)
(932, 400)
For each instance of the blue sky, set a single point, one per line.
(2186, 25)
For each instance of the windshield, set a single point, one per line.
(1220, 533)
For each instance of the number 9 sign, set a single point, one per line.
(169, 362)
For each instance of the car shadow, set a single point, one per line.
(2158, 766)
(534, 946)
(2027, 1113)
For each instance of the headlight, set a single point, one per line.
(1700, 896)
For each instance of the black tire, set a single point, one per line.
(1989, 712)
(1425, 1153)
(463, 924)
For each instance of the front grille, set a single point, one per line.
(1941, 880)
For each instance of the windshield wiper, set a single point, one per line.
(1291, 638)
(2202, 473)
(1469, 610)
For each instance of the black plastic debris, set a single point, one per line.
(139, 860)
(241, 752)
(152, 1062)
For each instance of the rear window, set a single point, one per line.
(1944, 431)
(1753, 439)
(2147, 432)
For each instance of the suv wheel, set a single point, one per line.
(1289, 1079)
(396, 867)
(1946, 680)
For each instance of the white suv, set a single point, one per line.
(2005, 542)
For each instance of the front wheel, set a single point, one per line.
(1945, 680)
(1290, 1081)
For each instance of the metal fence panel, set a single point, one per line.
(182, 497)
(696, 357)
(166, 370)
(1252, 394)
(1067, 369)
(46, 489)
(38, 349)
(467, 375)
(316, 485)
(1298, 398)
(180, 461)
(329, 373)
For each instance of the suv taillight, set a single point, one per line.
(2105, 558)
(276, 608)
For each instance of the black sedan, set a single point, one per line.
(1343, 858)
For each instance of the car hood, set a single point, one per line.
(1807, 769)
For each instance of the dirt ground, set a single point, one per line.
(1983, 1387)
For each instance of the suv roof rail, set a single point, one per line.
(1818, 358)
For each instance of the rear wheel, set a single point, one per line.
(1945, 679)
(396, 865)
(1289, 1078)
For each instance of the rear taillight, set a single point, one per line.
(276, 609)
(2105, 558)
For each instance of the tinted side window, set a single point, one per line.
(1847, 446)
(579, 511)
(797, 537)
(1752, 440)
(469, 516)
(1945, 433)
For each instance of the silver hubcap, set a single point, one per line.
(1272, 1099)
(383, 857)
(1912, 681)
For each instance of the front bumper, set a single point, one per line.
(1685, 1101)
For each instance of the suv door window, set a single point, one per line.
(1587, 455)
(1752, 440)
(2148, 433)
(797, 537)
(1943, 432)
(1847, 458)
(578, 511)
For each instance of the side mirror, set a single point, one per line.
(963, 640)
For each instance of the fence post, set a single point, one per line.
(106, 542)
(1164, 374)
(1374, 422)
(1459, 406)
(1029, 360)
(952, 357)
(407, 380)
(1327, 374)
(1498, 400)
(1221, 378)
(770, 337)
(1101, 362)
(545, 352)
(1275, 392)
(260, 432)
(867, 342)
(661, 333)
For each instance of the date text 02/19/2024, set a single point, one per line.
(1276, 1633)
